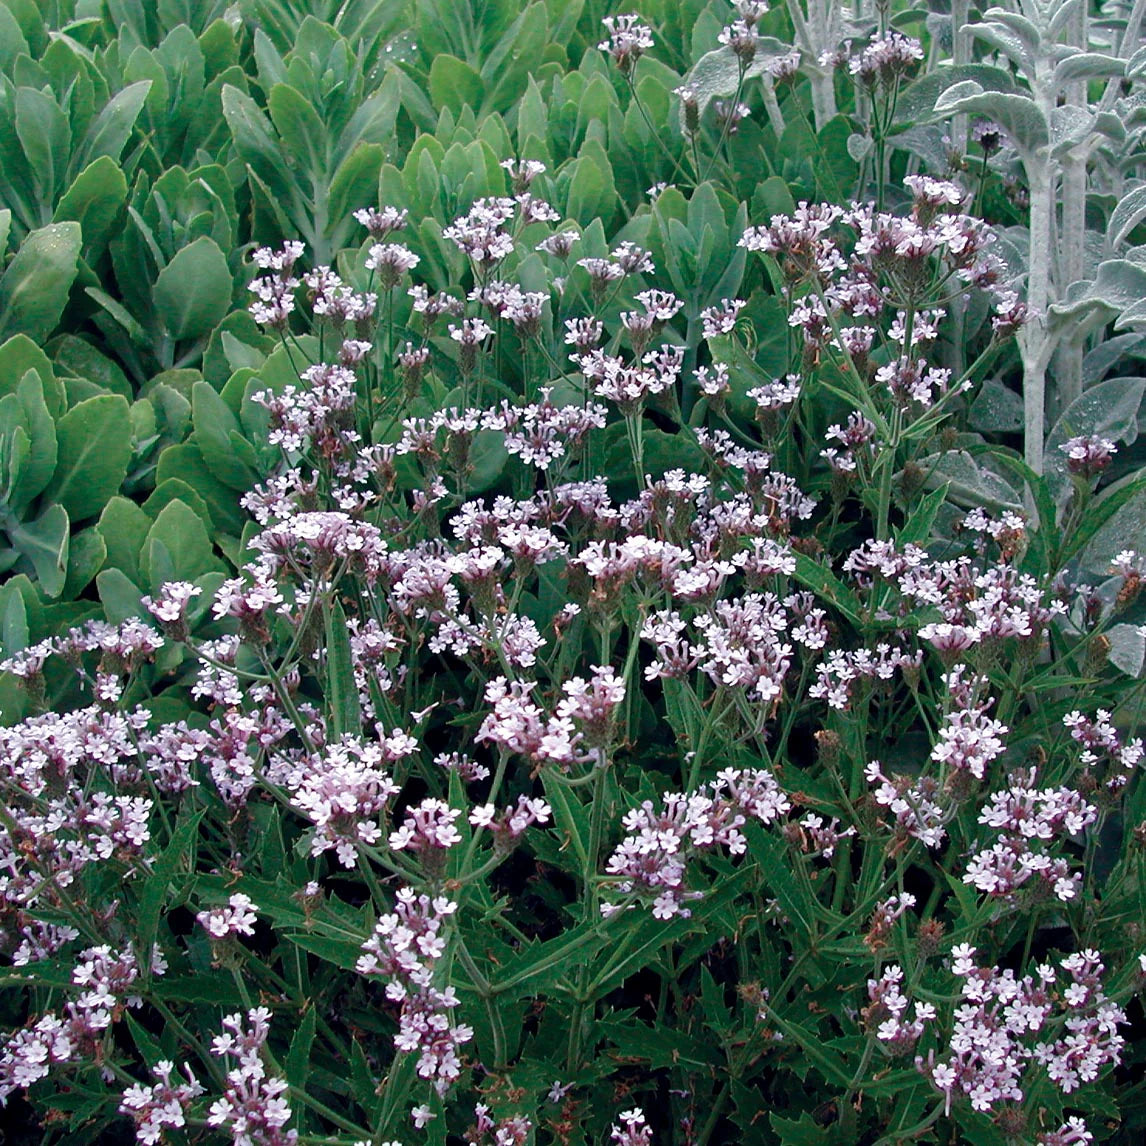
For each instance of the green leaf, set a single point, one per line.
(591, 191)
(86, 555)
(996, 409)
(94, 200)
(345, 716)
(1127, 648)
(124, 527)
(34, 289)
(43, 131)
(1127, 214)
(181, 847)
(356, 180)
(178, 535)
(40, 462)
(120, 314)
(342, 953)
(185, 462)
(193, 292)
(74, 357)
(45, 543)
(569, 816)
(969, 483)
(1117, 531)
(109, 133)
(254, 140)
(297, 1065)
(94, 453)
(1108, 409)
(19, 355)
(917, 99)
(802, 1131)
(1087, 66)
(825, 584)
(454, 83)
(119, 595)
(12, 40)
(301, 130)
(227, 454)
(917, 528)
(13, 621)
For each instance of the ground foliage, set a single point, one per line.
(573, 576)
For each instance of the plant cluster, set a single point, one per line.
(542, 608)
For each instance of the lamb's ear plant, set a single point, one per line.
(1054, 130)
(579, 658)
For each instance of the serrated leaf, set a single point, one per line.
(180, 848)
(345, 715)
(917, 529)
(826, 585)
(297, 1065)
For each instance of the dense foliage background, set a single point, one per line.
(572, 575)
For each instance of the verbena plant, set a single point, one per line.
(636, 701)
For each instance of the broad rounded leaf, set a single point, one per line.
(1129, 212)
(1087, 66)
(454, 83)
(94, 200)
(34, 288)
(45, 544)
(1108, 409)
(1126, 529)
(94, 443)
(918, 98)
(996, 409)
(1018, 115)
(968, 482)
(177, 538)
(1117, 286)
(19, 355)
(716, 74)
(193, 292)
(1127, 648)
